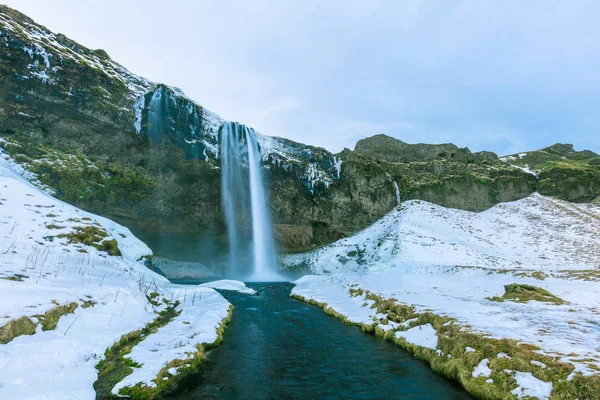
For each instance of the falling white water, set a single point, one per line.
(155, 115)
(397, 193)
(252, 255)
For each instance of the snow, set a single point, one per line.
(60, 363)
(536, 233)
(337, 164)
(138, 108)
(228, 284)
(568, 329)
(530, 386)
(450, 262)
(422, 335)
(482, 369)
(539, 364)
(197, 324)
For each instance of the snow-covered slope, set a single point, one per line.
(453, 264)
(41, 269)
(532, 233)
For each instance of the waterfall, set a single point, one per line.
(155, 116)
(252, 253)
(397, 193)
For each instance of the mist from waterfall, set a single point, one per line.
(252, 255)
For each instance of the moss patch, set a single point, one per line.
(93, 236)
(16, 327)
(523, 293)
(50, 318)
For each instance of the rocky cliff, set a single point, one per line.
(106, 140)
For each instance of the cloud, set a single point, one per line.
(504, 74)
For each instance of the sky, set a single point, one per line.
(504, 76)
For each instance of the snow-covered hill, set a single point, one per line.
(423, 267)
(73, 301)
(533, 233)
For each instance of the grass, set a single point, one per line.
(95, 237)
(87, 303)
(115, 366)
(50, 318)
(451, 359)
(521, 293)
(26, 326)
(16, 327)
(186, 369)
(53, 226)
(15, 277)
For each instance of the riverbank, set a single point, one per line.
(277, 347)
(74, 287)
(495, 349)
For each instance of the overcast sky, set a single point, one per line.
(504, 76)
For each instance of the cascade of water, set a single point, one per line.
(397, 193)
(252, 253)
(155, 115)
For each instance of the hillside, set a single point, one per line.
(75, 291)
(562, 171)
(504, 301)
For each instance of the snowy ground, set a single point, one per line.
(450, 261)
(60, 363)
(537, 233)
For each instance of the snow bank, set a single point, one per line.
(197, 324)
(227, 284)
(40, 269)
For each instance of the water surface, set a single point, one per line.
(279, 348)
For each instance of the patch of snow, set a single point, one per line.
(530, 386)
(203, 311)
(422, 335)
(482, 369)
(138, 109)
(228, 284)
(469, 350)
(539, 364)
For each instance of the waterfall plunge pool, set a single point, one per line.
(276, 347)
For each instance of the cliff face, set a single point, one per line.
(448, 175)
(99, 137)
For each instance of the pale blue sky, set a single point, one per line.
(504, 76)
